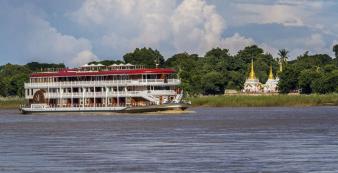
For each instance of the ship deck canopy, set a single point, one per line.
(122, 66)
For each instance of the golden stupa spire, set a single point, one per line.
(252, 72)
(270, 73)
(280, 67)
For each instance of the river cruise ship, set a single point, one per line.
(99, 88)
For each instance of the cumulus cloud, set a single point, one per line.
(39, 41)
(285, 12)
(269, 49)
(83, 57)
(46, 43)
(334, 43)
(196, 26)
(278, 13)
(136, 23)
(236, 43)
(192, 25)
(315, 41)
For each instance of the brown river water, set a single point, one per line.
(279, 139)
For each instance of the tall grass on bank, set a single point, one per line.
(266, 100)
(11, 102)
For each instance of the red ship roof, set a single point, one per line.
(75, 72)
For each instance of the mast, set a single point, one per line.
(157, 62)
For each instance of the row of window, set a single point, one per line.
(100, 78)
(30, 92)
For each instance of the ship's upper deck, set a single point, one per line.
(101, 70)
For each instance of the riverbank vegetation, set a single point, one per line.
(266, 100)
(11, 102)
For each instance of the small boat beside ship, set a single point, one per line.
(124, 88)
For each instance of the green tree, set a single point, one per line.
(144, 56)
(309, 61)
(327, 83)
(212, 83)
(36, 66)
(283, 56)
(288, 80)
(188, 68)
(305, 79)
(249, 52)
(180, 59)
(13, 78)
(217, 52)
(107, 62)
(235, 80)
(3, 90)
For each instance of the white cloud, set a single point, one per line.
(334, 43)
(138, 23)
(315, 41)
(193, 25)
(294, 53)
(236, 43)
(98, 11)
(196, 26)
(269, 49)
(83, 57)
(264, 14)
(285, 12)
(46, 42)
(39, 41)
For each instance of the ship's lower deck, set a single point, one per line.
(120, 109)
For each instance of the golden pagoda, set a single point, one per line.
(252, 84)
(270, 73)
(271, 84)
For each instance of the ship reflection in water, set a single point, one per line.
(209, 140)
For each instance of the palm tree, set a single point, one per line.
(335, 50)
(283, 53)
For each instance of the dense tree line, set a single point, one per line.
(13, 77)
(212, 73)
(310, 74)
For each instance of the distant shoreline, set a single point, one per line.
(232, 101)
(265, 100)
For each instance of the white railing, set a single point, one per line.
(138, 82)
(91, 94)
(109, 94)
(161, 92)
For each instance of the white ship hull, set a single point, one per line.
(152, 108)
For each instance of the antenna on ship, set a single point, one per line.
(156, 62)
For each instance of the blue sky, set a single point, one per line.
(78, 31)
